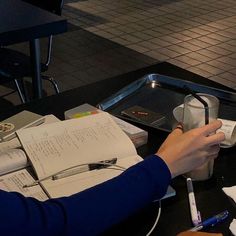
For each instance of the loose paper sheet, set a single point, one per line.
(15, 181)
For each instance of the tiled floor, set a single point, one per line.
(80, 57)
(197, 35)
(107, 38)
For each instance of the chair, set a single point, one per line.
(15, 65)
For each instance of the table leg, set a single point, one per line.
(36, 68)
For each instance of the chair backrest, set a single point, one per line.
(54, 6)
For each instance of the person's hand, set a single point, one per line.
(183, 152)
(189, 233)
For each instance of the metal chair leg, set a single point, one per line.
(53, 82)
(23, 93)
(22, 97)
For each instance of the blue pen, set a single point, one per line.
(211, 221)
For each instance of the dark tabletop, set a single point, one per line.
(21, 22)
(175, 215)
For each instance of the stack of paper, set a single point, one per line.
(138, 136)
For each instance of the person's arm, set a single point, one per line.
(97, 209)
(91, 211)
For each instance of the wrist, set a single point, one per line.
(168, 162)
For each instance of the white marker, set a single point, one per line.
(192, 203)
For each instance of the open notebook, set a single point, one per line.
(56, 151)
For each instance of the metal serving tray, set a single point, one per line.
(162, 94)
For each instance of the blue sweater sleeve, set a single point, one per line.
(89, 212)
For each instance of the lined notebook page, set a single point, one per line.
(55, 147)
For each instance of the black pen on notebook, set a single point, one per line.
(77, 170)
(85, 168)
